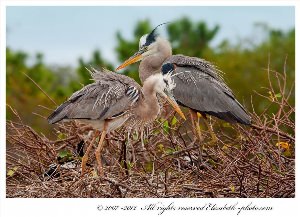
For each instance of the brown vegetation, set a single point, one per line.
(257, 161)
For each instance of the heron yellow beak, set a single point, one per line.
(174, 104)
(135, 58)
(176, 107)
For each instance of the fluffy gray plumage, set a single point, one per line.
(107, 97)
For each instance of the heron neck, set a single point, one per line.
(148, 108)
(149, 66)
(152, 64)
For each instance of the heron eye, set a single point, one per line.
(144, 48)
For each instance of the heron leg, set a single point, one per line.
(143, 145)
(86, 154)
(130, 143)
(142, 140)
(98, 153)
(211, 132)
(197, 131)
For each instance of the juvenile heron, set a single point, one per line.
(199, 86)
(114, 100)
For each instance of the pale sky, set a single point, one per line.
(63, 34)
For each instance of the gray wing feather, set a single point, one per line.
(198, 63)
(100, 100)
(202, 92)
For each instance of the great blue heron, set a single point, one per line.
(199, 85)
(113, 100)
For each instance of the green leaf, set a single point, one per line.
(149, 166)
(173, 121)
(160, 147)
(12, 171)
(62, 136)
(161, 120)
(278, 95)
(212, 162)
(166, 126)
(225, 147)
(146, 141)
(226, 124)
(135, 136)
(65, 153)
(130, 165)
(232, 188)
(170, 150)
(287, 153)
(156, 132)
(260, 155)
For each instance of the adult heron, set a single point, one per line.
(199, 85)
(114, 100)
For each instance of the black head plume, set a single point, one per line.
(167, 68)
(153, 34)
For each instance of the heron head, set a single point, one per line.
(148, 45)
(167, 68)
(164, 85)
